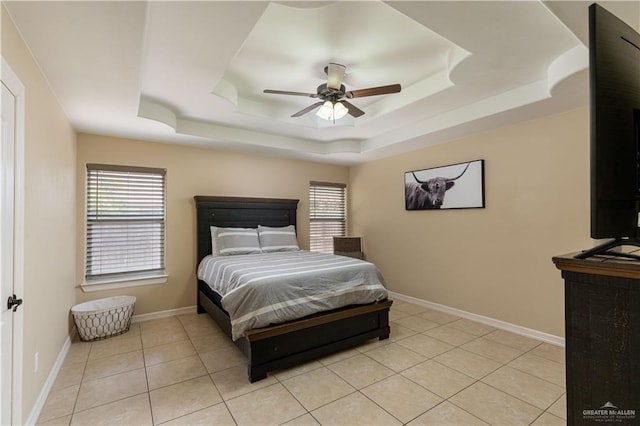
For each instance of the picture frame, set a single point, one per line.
(454, 186)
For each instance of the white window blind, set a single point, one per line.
(125, 221)
(327, 214)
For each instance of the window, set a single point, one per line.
(125, 224)
(327, 214)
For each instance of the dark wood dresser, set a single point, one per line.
(602, 331)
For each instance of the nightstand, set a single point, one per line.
(348, 246)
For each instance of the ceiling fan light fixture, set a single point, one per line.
(326, 111)
(330, 93)
(332, 111)
(339, 110)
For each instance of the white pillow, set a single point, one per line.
(274, 239)
(214, 241)
(238, 241)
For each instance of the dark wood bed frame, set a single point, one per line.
(287, 344)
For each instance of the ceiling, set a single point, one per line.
(194, 72)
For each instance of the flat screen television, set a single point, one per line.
(614, 80)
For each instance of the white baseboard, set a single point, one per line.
(48, 384)
(503, 325)
(163, 314)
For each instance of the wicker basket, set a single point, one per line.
(102, 318)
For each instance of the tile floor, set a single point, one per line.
(436, 369)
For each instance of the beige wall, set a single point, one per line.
(194, 171)
(49, 220)
(494, 261)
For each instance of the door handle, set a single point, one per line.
(13, 302)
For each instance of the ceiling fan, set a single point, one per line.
(332, 104)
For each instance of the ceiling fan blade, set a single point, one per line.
(285, 92)
(335, 74)
(372, 91)
(307, 109)
(353, 110)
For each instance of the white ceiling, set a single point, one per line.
(193, 72)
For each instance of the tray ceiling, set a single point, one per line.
(193, 72)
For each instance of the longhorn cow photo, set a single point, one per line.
(456, 186)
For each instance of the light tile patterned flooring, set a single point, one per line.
(436, 369)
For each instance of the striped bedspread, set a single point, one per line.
(270, 288)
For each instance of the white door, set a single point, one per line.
(10, 322)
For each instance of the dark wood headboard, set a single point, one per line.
(238, 212)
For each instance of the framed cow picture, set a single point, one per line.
(456, 186)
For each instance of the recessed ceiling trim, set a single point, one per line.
(158, 112)
(248, 137)
(515, 98)
(423, 89)
(562, 68)
(288, 47)
(569, 63)
(152, 110)
(226, 91)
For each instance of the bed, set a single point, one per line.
(286, 344)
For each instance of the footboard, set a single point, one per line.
(281, 346)
(291, 343)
